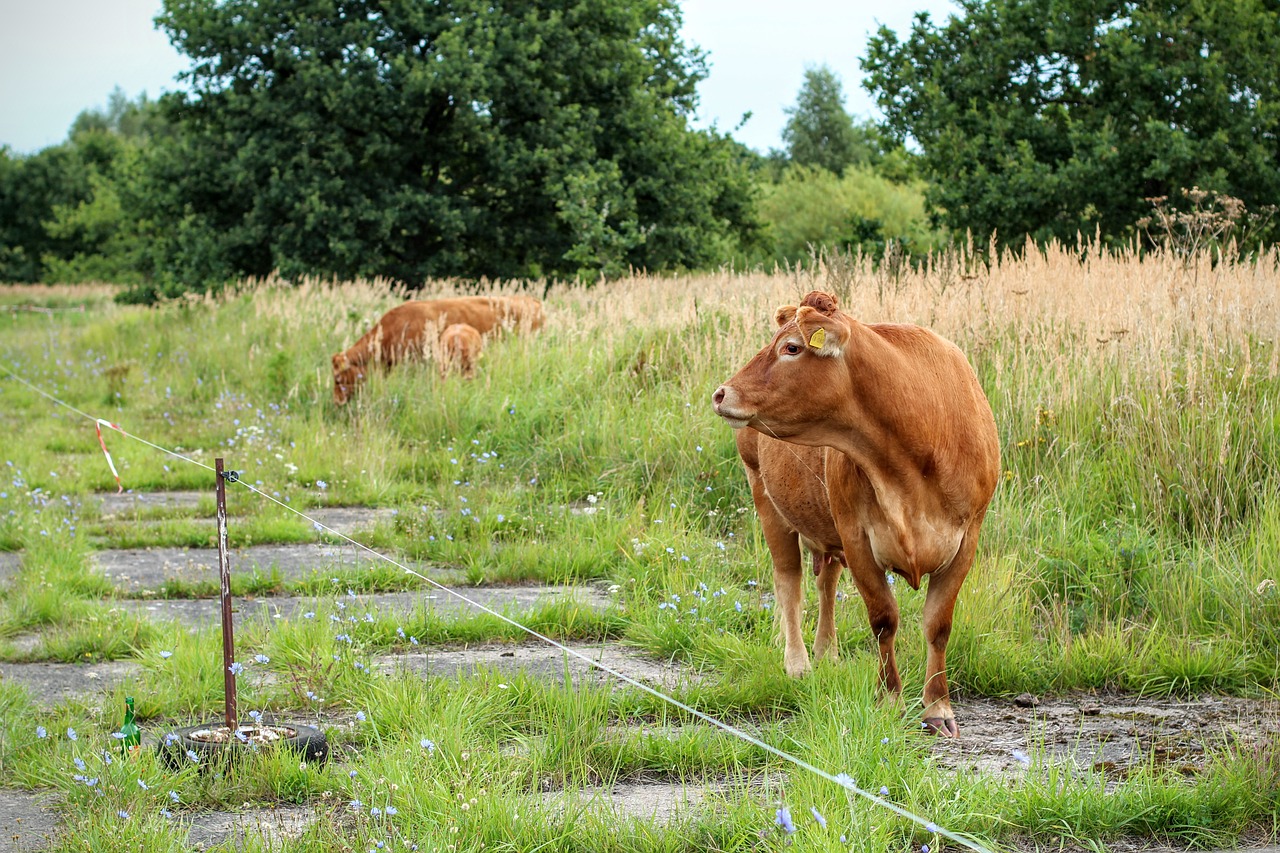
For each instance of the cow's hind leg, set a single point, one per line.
(882, 609)
(827, 567)
(939, 606)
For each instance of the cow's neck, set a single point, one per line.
(877, 431)
(875, 425)
(358, 356)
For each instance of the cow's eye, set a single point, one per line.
(791, 349)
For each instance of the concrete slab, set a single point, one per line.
(51, 684)
(349, 520)
(10, 565)
(141, 505)
(269, 828)
(663, 801)
(27, 821)
(655, 802)
(133, 503)
(142, 572)
(203, 612)
(543, 662)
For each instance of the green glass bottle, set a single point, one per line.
(132, 740)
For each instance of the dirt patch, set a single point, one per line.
(544, 662)
(1131, 845)
(27, 822)
(50, 684)
(1106, 734)
(202, 612)
(142, 572)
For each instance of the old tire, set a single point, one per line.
(307, 741)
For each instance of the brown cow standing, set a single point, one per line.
(873, 446)
(460, 347)
(411, 330)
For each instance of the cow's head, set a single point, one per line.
(792, 387)
(346, 377)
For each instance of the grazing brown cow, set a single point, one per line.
(873, 446)
(411, 331)
(460, 347)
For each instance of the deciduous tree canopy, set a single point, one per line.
(819, 132)
(458, 137)
(1048, 117)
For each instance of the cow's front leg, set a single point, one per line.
(827, 567)
(788, 589)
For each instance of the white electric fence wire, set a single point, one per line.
(842, 779)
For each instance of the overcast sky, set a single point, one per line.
(58, 57)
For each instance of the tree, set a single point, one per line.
(132, 120)
(1056, 117)
(69, 212)
(31, 188)
(451, 138)
(820, 133)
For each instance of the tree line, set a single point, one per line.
(555, 140)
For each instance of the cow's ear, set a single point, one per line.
(785, 315)
(339, 361)
(825, 335)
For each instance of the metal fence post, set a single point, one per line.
(224, 570)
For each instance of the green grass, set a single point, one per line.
(1131, 546)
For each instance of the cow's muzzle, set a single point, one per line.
(726, 404)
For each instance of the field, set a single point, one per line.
(1126, 577)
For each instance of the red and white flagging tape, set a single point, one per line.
(107, 453)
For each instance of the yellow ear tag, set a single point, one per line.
(818, 339)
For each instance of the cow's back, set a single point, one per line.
(488, 314)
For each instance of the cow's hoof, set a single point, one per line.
(941, 726)
(797, 664)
